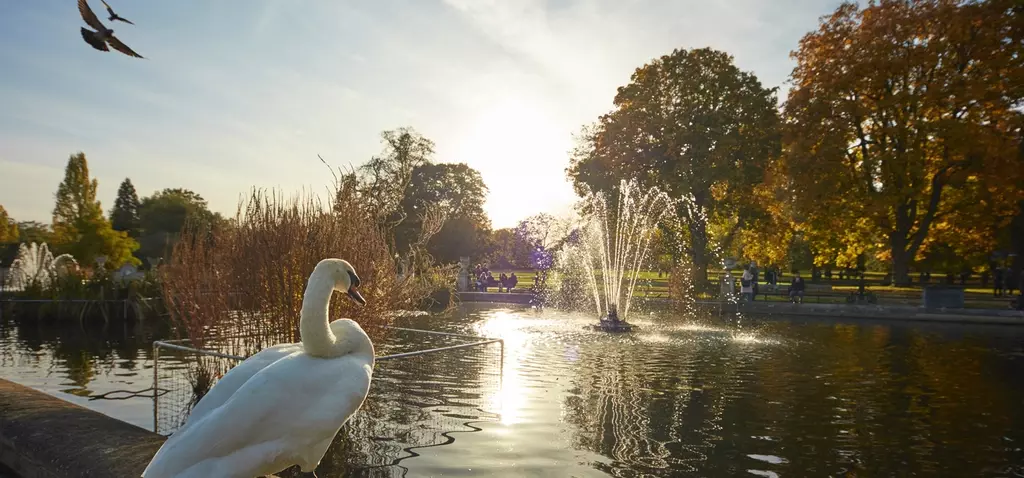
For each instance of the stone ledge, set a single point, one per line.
(42, 436)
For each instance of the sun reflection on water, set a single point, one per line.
(510, 397)
(753, 338)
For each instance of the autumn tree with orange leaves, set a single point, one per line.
(903, 127)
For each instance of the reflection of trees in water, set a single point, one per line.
(847, 399)
(656, 409)
(80, 350)
(415, 403)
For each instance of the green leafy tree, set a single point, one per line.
(8, 228)
(383, 180)
(458, 192)
(168, 210)
(509, 250)
(164, 215)
(125, 214)
(34, 231)
(903, 128)
(79, 227)
(696, 126)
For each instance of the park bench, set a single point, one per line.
(495, 283)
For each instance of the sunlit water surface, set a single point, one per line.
(675, 398)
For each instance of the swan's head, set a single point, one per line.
(344, 278)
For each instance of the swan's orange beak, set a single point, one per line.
(356, 296)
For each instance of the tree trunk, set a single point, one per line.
(699, 247)
(901, 259)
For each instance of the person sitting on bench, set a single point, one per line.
(796, 288)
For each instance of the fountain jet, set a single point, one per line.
(613, 247)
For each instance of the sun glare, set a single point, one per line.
(511, 397)
(521, 153)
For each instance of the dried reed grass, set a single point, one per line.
(248, 279)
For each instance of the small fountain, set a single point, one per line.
(35, 266)
(612, 248)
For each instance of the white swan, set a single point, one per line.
(284, 405)
(241, 373)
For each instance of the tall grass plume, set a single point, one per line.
(248, 278)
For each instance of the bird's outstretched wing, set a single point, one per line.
(121, 47)
(90, 37)
(89, 16)
(114, 16)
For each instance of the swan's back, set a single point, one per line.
(227, 385)
(287, 413)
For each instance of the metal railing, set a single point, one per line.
(181, 345)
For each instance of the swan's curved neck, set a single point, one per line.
(315, 332)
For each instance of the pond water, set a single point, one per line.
(771, 397)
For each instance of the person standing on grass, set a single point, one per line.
(502, 282)
(512, 281)
(756, 273)
(997, 281)
(747, 285)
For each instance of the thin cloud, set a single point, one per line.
(237, 93)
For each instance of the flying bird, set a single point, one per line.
(103, 36)
(114, 16)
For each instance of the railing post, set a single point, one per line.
(501, 369)
(156, 381)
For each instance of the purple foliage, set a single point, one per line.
(542, 259)
(574, 237)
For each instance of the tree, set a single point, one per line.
(34, 231)
(694, 125)
(79, 227)
(458, 191)
(904, 116)
(168, 210)
(509, 250)
(545, 235)
(384, 178)
(8, 228)
(125, 214)
(164, 215)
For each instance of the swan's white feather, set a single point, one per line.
(239, 374)
(278, 417)
(234, 379)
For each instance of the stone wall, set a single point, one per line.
(44, 436)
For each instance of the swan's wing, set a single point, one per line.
(235, 378)
(272, 421)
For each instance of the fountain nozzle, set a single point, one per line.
(613, 313)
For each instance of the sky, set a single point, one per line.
(236, 94)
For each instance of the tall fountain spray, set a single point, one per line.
(613, 247)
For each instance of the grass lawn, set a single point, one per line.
(653, 286)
